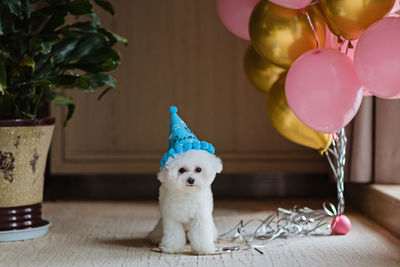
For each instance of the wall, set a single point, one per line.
(178, 54)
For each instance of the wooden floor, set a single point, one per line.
(111, 234)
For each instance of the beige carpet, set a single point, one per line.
(111, 234)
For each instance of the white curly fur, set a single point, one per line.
(186, 207)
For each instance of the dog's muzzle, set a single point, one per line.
(190, 181)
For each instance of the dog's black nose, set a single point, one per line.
(190, 180)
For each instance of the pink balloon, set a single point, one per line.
(377, 58)
(235, 15)
(331, 41)
(294, 4)
(323, 90)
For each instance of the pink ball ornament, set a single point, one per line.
(340, 225)
(235, 15)
(377, 58)
(294, 4)
(323, 90)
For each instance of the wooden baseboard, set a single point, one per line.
(379, 202)
(134, 187)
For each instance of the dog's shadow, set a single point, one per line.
(143, 244)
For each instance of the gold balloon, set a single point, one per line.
(350, 18)
(260, 72)
(288, 125)
(281, 34)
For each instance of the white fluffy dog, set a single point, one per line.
(186, 203)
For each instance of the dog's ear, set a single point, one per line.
(217, 165)
(161, 176)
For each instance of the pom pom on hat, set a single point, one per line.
(182, 139)
(196, 145)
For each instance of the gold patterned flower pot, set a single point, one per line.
(24, 145)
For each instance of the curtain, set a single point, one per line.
(374, 147)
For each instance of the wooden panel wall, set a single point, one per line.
(178, 54)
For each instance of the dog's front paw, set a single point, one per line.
(171, 249)
(172, 245)
(204, 249)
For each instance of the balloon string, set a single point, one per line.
(347, 47)
(338, 151)
(284, 223)
(340, 43)
(313, 29)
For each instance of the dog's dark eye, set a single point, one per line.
(198, 169)
(181, 170)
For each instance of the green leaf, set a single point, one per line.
(113, 37)
(104, 92)
(42, 83)
(45, 48)
(85, 45)
(15, 7)
(55, 21)
(62, 100)
(105, 5)
(27, 8)
(34, 45)
(106, 66)
(100, 56)
(83, 82)
(27, 61)
(70, 112)
(1, 19)
(102, 79)
(3, 73)
(44, 70)
(50, 38)
(57, 6)
(65, 48)
(64, 80)
(108, 36)
(120, 39)
(95, 18)
(80, 7)
(87, 26)
(52, 1)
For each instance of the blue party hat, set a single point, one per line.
(182, 139)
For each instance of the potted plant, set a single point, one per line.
(46, 46)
